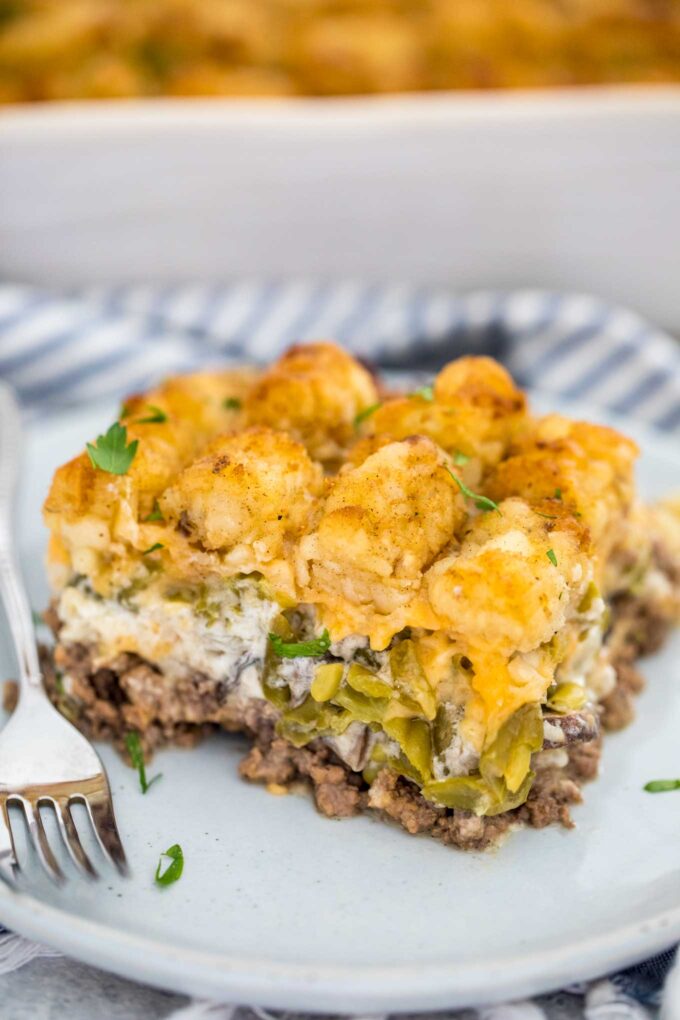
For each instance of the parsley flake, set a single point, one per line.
(124, 412)
(425, 393)
(551, 517)
(59, 682)
(134, 747)
(174, 869)
(298, 649)
(558, 494)
(156, 514)
(112, 452)
(551, 556)
(481, 502)
(157, 416)
(460, 458)
(153, 548)
(366, 413)
(37, 619)
(661, 785)
(232, 404)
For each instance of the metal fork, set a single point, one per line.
(44, 760)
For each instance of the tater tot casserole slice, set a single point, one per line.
(426, 605)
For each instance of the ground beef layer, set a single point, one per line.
(339, 792)
(130, 694)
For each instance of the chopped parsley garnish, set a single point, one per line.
(481, 502)
(172, 871)
(661, 785)
(134, 747)
(157, 416)
(425, 393)
(551, 517)
(37, 619)
(59, 682)
(558, 494)
(124, 411)
(298, 649)
(153, 548)
(366, 413)
(155, 514)
(551, 556)
(232, 404)
(460, 458)
(112, 452)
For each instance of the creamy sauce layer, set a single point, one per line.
(222, 642)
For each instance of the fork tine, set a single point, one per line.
(100, 810)
(8, 858)
(71, 838)
(39, 840)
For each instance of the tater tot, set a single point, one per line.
(314, 392)
(382, 525)
(253, 488)
(514, 580)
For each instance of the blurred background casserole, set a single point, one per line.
(64, 49)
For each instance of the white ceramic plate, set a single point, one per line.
(281, 907)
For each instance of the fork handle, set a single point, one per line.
(12, 590)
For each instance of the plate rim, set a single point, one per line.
(324, 987)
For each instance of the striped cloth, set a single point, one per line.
(64, 347)
(99, 342)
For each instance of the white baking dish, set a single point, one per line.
(577, 189)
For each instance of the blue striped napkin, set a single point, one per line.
(94, 343)
(69, 346)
